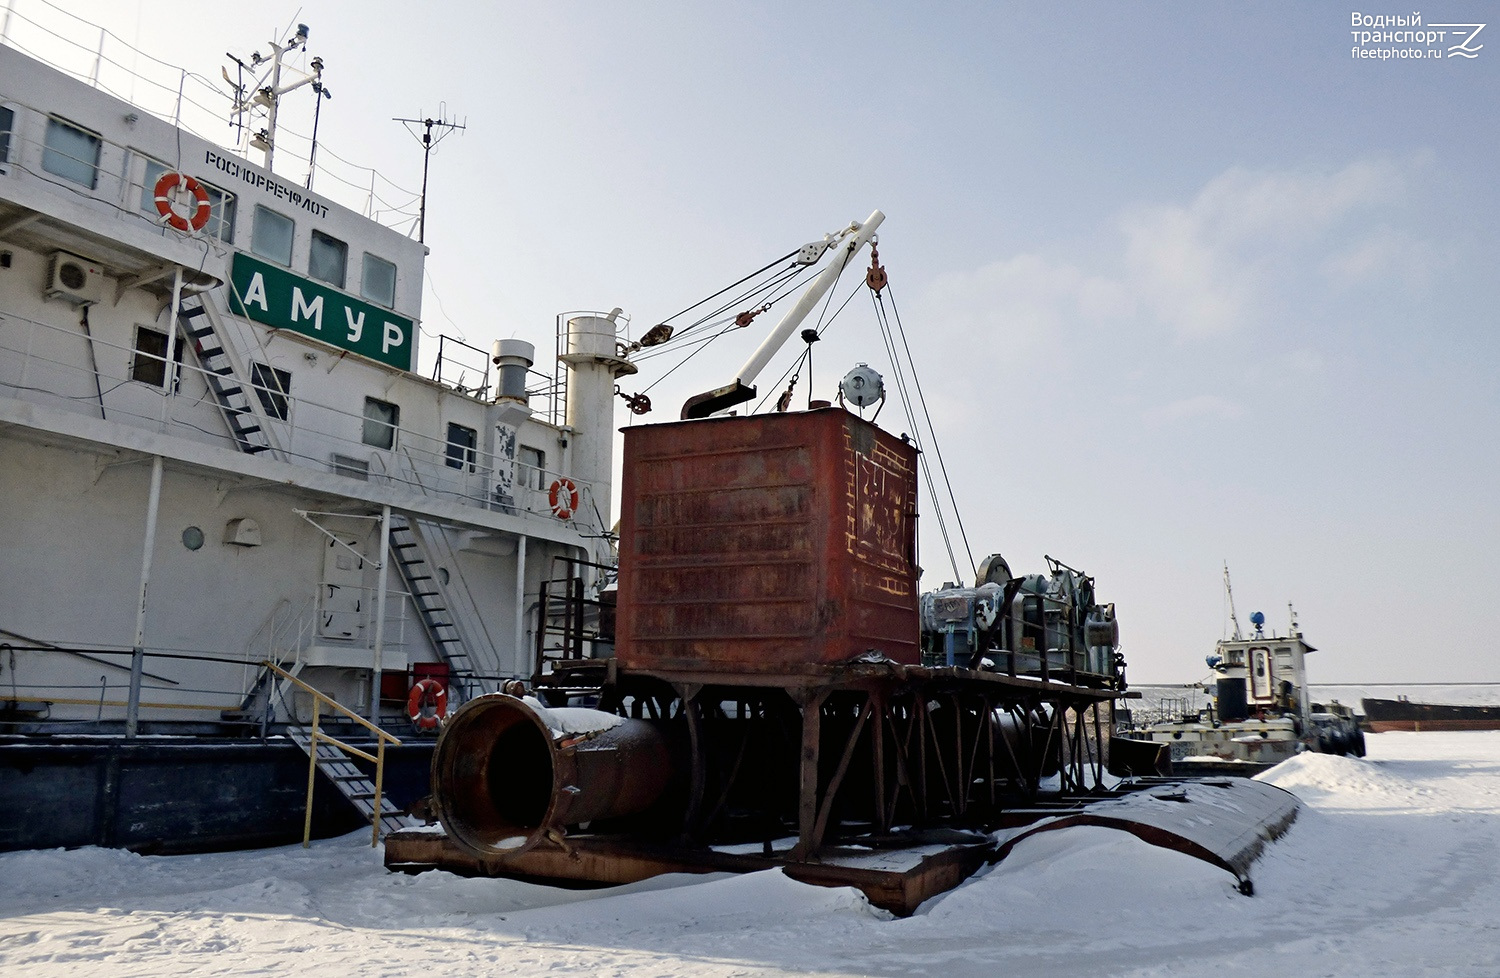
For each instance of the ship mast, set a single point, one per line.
(269, 96)
(1229, 596)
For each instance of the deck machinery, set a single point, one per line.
(768, 696)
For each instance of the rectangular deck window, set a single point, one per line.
(271, 235)
(461, 444)
(382, 418)
(7, 126)
(327, 259)
(531, 466)
(271, 386)
(377, 281)
(149, 362)
(71, 153)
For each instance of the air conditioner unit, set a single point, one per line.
(73, 279)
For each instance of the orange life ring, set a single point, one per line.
(564, 498)
(416, 704)
(201, 208)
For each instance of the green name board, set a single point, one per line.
(274, 296)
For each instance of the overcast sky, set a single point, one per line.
(1185, 283)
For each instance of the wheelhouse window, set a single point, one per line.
(382, 418)
(271, 387)
(462, 443)
(7, 126)
(149, 362)
(271, 235)
(221, 206)
(327, 259)
(377, 281)
(71, 153)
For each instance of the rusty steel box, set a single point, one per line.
(765, 542)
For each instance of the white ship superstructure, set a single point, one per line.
(215, 449)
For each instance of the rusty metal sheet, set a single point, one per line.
(1222, 821)
(765, 540)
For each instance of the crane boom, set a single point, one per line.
(742, 389)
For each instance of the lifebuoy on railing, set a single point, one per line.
(427, 704)
(165, 187)
(564, 498)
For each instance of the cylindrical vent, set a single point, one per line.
(506, 774)
(1232, 706)
(514, 358)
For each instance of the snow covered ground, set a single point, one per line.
(1392, 869)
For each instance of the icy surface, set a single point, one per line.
(1390, 870)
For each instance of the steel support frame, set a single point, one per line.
(868, 755)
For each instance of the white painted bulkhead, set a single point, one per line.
(85, 408)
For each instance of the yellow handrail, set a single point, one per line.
(381, 738)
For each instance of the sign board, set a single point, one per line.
(273, 296)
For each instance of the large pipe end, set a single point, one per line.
(507, 773)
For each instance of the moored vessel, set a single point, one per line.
(1260, 712)
(230, 499)
(1404, 714)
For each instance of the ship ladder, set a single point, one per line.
(427, 594)
(231, 394)
(333, 757)
(351, 782)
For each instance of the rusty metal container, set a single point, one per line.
(766, 542)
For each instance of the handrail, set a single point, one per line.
(319, 698)
(320, 695)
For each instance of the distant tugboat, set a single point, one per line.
(1260, 714)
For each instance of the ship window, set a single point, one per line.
(149, 364)
(271, 236)
(531, 463)
(7, 125)
(381, 420)
(221, 206)
(461, 444)
(327, 259)
(378, 281)
(271, 387)
(354, 468)
(71, 153)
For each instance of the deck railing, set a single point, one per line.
(319, 737)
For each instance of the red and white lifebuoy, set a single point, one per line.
(427, 704)
(166, 189)
(564, 498)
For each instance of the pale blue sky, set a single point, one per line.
(1186, 282)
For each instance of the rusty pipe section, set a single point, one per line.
(508, 773)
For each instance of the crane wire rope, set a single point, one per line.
(907, 407)
(927, 415)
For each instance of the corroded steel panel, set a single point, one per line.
(763, 540)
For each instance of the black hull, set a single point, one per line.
(173, 796)
(1385, 715)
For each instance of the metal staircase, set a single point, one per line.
(352, 783)
(233, 395)
(428, 595)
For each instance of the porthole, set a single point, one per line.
(192, 538)
(443, 575)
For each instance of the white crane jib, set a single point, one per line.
(848, 244)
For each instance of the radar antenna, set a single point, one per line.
(427, 143)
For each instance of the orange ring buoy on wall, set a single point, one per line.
(201, 208)
(416, 704)
(564, 498)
